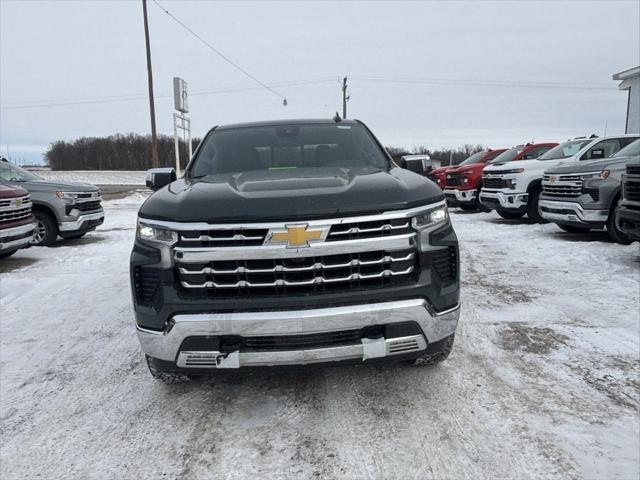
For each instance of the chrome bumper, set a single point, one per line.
(26, 232)
(165, 345)
(506, 200)
(77, 224)
(571, 212)
(461, 196)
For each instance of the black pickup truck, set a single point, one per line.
(292, 243)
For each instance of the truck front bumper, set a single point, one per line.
(168, 345)
(504, 201)
(572, 213)
(455, 195)
(84, 222)
(16, 237)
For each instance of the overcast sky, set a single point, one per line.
(496, 73)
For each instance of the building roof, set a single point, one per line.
(629, 73)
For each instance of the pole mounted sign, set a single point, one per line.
(180, 97)
(180, 119)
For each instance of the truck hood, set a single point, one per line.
(10, 191)
(304, 193)
(469, 167)
(44, 186)
(526, 164)
(591, 166)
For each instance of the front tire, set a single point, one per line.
(73, 236)
(509, 215)
(436, 352)
(165, 376)
(573, 229)
(533, 211)
(7, 254)
(46, 229)
(617, 235)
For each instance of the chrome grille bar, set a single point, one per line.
(382, 228)
(208, 238)
(289, 283)
(306, 268)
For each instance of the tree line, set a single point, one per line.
(115, 152)
(444, 155)
(133, 152)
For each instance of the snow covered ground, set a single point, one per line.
(543, 380)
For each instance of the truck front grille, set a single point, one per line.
(494, 183)
(453, 179)
(632, 190)
(633, 169)
(88, 206)
(302, 275)
(243, 237)
(15, 215)
(562, 186)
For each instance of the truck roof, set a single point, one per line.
(299, 121)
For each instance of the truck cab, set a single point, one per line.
(292, 242)
(513, 189)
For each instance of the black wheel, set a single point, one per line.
(573, 229)
(73, 236)
(616, 234)
(46, 229)
(509, 215)
(165, 376)
(7, 253)
(532, 207)
(436, 352)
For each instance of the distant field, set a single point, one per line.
(96, 177)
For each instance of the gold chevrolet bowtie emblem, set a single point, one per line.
(296, 236)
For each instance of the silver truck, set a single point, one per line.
(579, 197)
(68, 209)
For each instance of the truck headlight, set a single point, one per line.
(430, 217)
(465, 180)
(67, 196)
(153, 233)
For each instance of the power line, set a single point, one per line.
(482, 83)
(220, 54)
(142, 96)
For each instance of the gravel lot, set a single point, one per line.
(543, 380)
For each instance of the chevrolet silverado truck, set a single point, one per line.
(67, 209)
(16, 220)
(462, 183)
(628, 211)
(513, 189)
(438, 175)
(584, 196)
(292, 243)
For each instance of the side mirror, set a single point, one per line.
(597, 153)
(157, 178)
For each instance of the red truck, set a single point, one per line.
(16, 221)
(463, 182)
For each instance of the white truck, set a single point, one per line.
(513, 189)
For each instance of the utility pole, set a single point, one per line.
(152, 110)
(345, 98)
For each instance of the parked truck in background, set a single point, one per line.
(513, 189)
(291, 243)
(628, 211)
(462, 182)
(67, 209)
(582, 196)
(16, 220)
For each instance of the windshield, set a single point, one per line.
(631, 150)
(13, 173)
(282, 147)
(565, 150)
(475, 158)
(507, 155)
